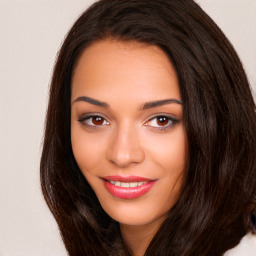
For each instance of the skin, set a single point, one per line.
(126, 139)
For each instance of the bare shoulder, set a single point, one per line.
(247, 246)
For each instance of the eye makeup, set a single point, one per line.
(160, 121)
(93, 120)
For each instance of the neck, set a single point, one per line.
(138, 237)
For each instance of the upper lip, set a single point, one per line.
(126, 178)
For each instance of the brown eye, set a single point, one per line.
(97, 120)
(162, 120)
(94, 121)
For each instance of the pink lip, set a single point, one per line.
(127, 193)
(125, 178)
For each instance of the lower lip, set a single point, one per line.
(128, 193)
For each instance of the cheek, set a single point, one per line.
(170, 154)
(87, 148)
(169, 151)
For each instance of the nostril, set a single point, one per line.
(123, 160)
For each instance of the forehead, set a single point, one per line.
(111, 68)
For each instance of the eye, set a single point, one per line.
(94, 120)
(162, 122)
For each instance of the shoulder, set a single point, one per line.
(247, 246)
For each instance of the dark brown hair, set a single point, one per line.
(216, 207)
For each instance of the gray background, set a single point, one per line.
(31, 32)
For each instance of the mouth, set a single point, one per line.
(127, 187)
(127, 184)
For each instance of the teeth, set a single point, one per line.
(124, 185)
(133, 184)
(127, 184)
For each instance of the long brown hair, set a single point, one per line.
(216, 207)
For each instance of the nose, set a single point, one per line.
(125, 148)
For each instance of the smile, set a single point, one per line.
(127, 184)
(127, 187)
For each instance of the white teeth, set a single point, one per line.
(133, 184)
(127, 184)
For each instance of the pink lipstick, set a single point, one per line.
(128, 187)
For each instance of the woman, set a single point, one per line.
(150, 139)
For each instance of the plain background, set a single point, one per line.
(31, 32)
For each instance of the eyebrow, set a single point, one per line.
(91, 101)
(146, 105)
(159, 103)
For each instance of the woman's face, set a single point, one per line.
(127, 132)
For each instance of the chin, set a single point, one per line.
(129, 213)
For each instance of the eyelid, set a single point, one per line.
(174, 121)
(82, 118)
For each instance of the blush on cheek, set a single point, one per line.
(127, 147)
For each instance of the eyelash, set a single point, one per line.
(171, 122)
(88, 121)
